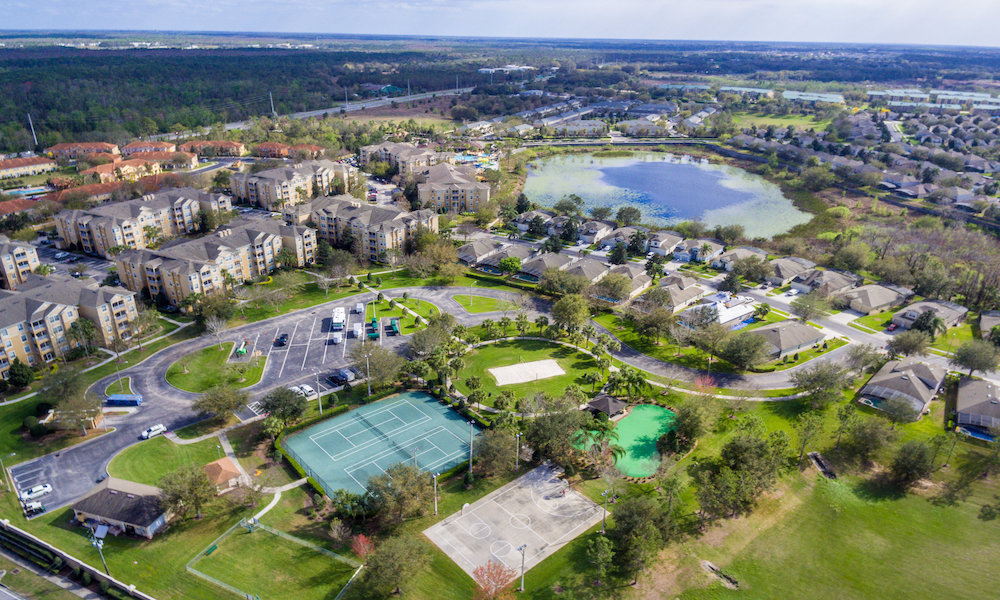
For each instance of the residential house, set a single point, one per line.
(147, 146)
(727, 260)
(123, 170)
(169, 160)
(789, 337)
(453, 188)
(909, 380)
(223, 474)
(950, 313)
(590, 269)
(870, 299)
(593, 232)
(523, 220)
(622, 235)
(825, 282)
(988, 319)
(684, 291)
(379, 233)
(636, 274)
(639, 127)
(25, 167)
(697, 250)
(72, 150)
(214, 148)
(240, 252)
(788, 268)
(977, 405)
(729, 310)
(663, 242)
(273, 189)
(475, 252)
(520, 251)
(534, 268)
(17, 261)
(307, 151)
(138, 223)
(122, 507)
(272, 150)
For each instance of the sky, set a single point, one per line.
(951, 22)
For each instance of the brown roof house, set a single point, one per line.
(870, 299)
(223, 474)
(978, 404)
(909, 380)
(952, 314)
(123, 507)
(788, 337)
(826, 282)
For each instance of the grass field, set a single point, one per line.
(407, 323)
(481, 304)
(507, 353)
(208, 368)
(877, 322)
(956, 336)
(800, 122)
(807, 355)
(147, 462)
(270, 566)
(122, 386)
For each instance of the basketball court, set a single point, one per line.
(346, 451)
(526, 371)
(536, 511)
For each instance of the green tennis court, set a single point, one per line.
(344, 452)
(637, 434)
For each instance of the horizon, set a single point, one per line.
(895, 22)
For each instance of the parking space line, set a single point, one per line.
(283, 360)
(305, 354)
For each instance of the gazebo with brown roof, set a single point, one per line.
(222, 473)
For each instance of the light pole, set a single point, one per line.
(517, 454)
(368, 371)
(99, 544)
(471, 433)
(415, 448)
(435, 476)
(319, 397)
(522, 548)
(10, 484)
(604, 516)
(218, 450)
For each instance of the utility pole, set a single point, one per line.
(472, 425)
(522, 548)
(32, 126)
(271, 98)
(435, 476)
(517, 455)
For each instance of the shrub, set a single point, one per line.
(29, 422)
(76, 572)
(103, 586)
(42, 409)
(469, 478)
(39, 430)
(85, 578)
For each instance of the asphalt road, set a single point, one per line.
(97, 267)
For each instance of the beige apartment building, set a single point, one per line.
(242, 251)
(148, 146)
(380, 232)
(17, 261)
(35, 320)
(24, 167)
(137, 223)
(452, 188)
(408, 159)
(274, 189)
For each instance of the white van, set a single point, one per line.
(307, 391)
(338, 337)
(154, 431)
(359, 308)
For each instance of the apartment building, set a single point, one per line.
(214, 148)
(35, 320)
(378, 232)
(147, 146)
(272, 150)
(276, 188)
(137, 223)
(169, 160)
(17, 261)
(242, 251)
(408, 159)
(452, 188)
(78, 149)
(122, 170)
(24, 167)
(309, 150)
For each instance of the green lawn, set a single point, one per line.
(517, 351)
(876, 322)
(207, 368)
(806, 355)
(772, 316)
(122, 386)
(800, 122)
(956, 336)
(481, 304)
(269, 566)
(382, 309)
(147, 462)
(30, 585)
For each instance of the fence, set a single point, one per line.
(36, 551)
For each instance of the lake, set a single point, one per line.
(668, 189)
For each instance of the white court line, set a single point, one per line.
(346, 423)
(412, 442)
(346, 439)
(377, 440)
(290, 338)
(305, 354)
(529, 528)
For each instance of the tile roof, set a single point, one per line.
(12, 163)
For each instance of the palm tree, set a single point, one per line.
(593, 378)
(589, 331)
(761, 311)
(505, 324)
(604, 363)
(541, 322)
(522, 323)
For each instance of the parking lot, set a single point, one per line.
(97, 268)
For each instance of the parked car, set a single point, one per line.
(153, 431)
(341, 377)
(892, 327)
(307, 391)
(281, 340)
(338, 337)
(36, 491)
(61, 255)
(34, 508)
(792, 292)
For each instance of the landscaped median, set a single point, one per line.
(207, 368)
(407, 322)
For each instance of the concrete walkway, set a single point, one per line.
(277, 495)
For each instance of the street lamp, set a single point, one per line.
(435, 476)
(522, 548)
(319, 397)
(517, 454)
(368, 371)
(471, 433)
(99, 544)
(604, 516)
(5, 474)
(218, 450)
